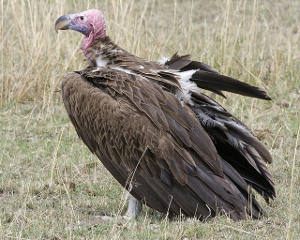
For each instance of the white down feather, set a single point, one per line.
(187, 86)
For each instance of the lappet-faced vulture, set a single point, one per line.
(174, 148)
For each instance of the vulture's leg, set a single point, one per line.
(134, 208)
(133, 211)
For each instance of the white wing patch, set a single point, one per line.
(187, 86)
(163, 60)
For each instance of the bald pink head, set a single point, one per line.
(93, 19)
(91, 23)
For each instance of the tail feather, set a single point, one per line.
(253, 207)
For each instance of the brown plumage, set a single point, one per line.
(175, 149)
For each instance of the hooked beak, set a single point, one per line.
(62, 23)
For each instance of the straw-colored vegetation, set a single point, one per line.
(48, 179)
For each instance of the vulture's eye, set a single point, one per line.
(81, 18)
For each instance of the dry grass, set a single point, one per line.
(48, 179)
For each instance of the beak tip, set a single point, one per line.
(62, 23)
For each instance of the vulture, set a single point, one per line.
(172, 147)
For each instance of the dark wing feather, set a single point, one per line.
(180, 171)
(217, 82)
(184, 63)
(233, 140)
(209, 79)
(236, 144)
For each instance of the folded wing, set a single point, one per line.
(154, 145)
